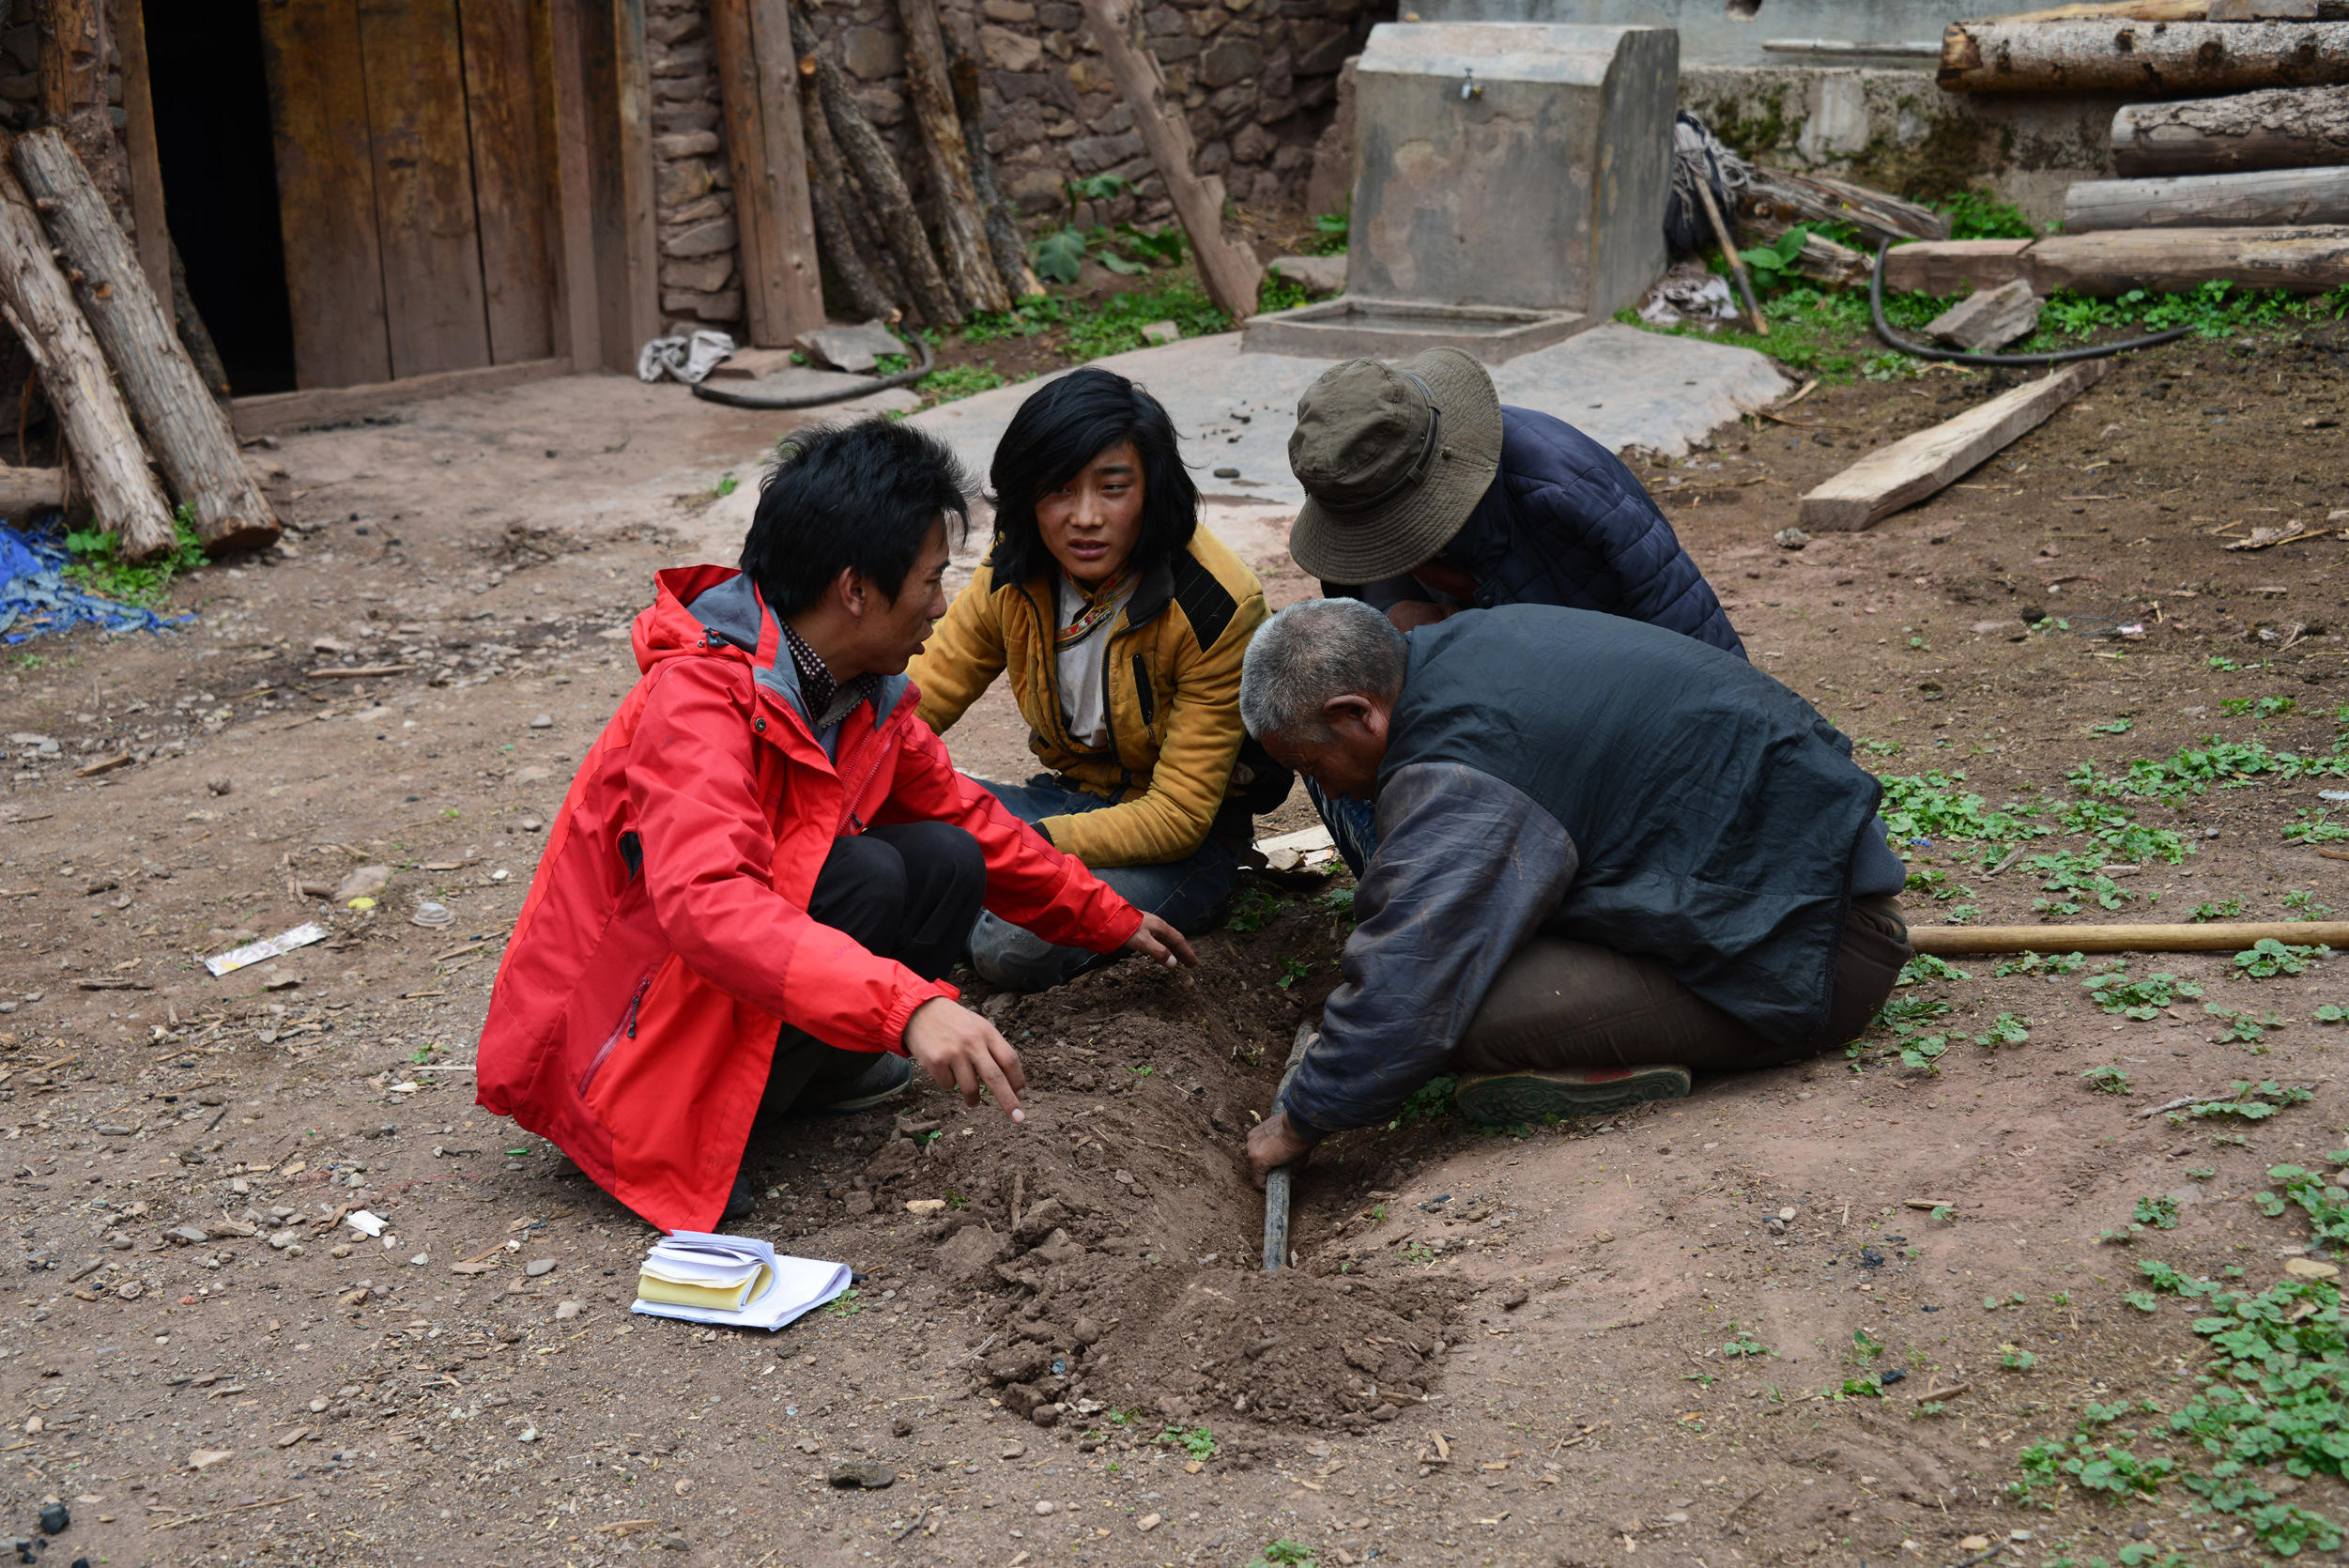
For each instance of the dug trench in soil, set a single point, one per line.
(1114, 1237)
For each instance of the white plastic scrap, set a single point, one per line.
(269, 947)
(365, 1222)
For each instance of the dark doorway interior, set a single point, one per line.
(218, 157)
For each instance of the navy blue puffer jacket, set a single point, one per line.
(1565, 523)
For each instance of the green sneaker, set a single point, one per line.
(1508, 1098)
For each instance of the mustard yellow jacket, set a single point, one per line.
(1172, 702)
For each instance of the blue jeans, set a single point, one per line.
(1183, 893)
(1353, 826)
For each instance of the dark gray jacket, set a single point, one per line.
(1603, 780)
(1565, 523)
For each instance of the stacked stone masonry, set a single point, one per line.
(1256, 78)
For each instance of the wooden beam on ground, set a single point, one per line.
(1774, 201)
(2141, 58)
(2304, 260)
(1915, 466)
(138, 138)
(190, 435)
(26, 491)
(2117, 11)
(1230, 271)
(101, 439)
(2279, 127)
(782, 292)
(274, 412)
(2216, 937)
(2260, 196)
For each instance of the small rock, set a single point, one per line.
(2309, 1269)
(55, 1518)
(971, 1254)
(1604, 1236)
(902, 1427)
(672, 1542)
(865, 1475)
(538, 1268)
(1513, 1298)
(1012, 1451)
(528, 1435)
(219, 784)
(924, 1205)
(1786, 1213)
(1161, 331)
(284, 1239)
(420, 1260)
(1044, 1507)
(1384, 1412)
(130, 1290)
(1086, 1331)
(1789, 539)
(1227, 473)
(205, 1458)
(860, 1201)
(541, 721)
(1147, 1522)
(1045, 1415)
(566, 1311)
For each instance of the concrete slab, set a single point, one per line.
(1625, 386)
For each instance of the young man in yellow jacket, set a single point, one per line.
(1121, 624)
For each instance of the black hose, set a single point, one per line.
(816, 400)
(1954, 356)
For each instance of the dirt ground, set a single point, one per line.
(1596, 1343)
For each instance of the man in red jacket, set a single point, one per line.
(767, 861)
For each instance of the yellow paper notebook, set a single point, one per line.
(733, 1298)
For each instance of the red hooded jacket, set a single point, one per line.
(666, 936)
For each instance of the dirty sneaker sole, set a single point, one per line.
(1508, 1098)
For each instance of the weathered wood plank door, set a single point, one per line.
(411, 186)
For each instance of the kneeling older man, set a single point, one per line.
(1608, 857)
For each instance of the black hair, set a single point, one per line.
(1064, 427)
(861, 495)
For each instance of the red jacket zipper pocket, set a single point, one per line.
(624, 1029)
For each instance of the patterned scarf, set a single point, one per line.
(1100, 603)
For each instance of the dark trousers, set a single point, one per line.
(1573, 1005)
(909, 893)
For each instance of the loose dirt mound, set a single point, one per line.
(1113, 1239)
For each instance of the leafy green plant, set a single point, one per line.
(1281, 292)
(949, 383)
(2315, 827)
(1285, 1553)
(2107, 1080)
(1773, 266)
(2330, 1014)
(1744, 1344)
(1332, 231)
(93, 563)
(1292, 971)
(2226, 909)
(1197, 1441)
(2251, 1102)
(1252, 909)
(1925, 966)
(2303, 905)
(2160, 1213)
(2143, 1300)
(2048, 964)
(2245, 1027)
(2114, 991)
(2269, 956)
(1979, 215)
(2262, 707)
(2005, 1029)
(2016, 1360)
(1922, 1052)
(1430, 1102)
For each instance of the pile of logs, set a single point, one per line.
(2251, 187)
(113, 368)
(866, 225)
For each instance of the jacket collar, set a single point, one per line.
(1152, 595)
(734, 616)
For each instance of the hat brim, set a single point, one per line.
(1408, 530)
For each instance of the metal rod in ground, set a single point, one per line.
(1729, 250)
(2214, 937)
(1277, 1178)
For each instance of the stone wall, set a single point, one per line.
(1257, 80)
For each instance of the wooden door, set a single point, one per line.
(411, 186)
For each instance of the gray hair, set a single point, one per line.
(1311, 652)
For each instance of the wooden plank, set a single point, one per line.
(787, 163)
(1915, 466)
(2282, 128)
(1953, 265)
(2118, 10)
(620, 173)
(2209, 201)
(273, 412)
(1985, 322)
(423, 169)
(762, 250)
(25, 491)
(2216, 937)
(563, 109)
(146, 167)
(190, 435)
(1776, 201)
(962, 241)
(326, 187)
(2142, 57)
(509, 179)
(2304, 260)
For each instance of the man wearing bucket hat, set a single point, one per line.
(1425, 495)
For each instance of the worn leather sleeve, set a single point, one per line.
(1467, 866)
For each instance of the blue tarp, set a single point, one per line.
(35, 596)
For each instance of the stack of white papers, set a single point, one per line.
(734, 1280)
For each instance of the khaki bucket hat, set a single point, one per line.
(1393, 459)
